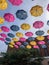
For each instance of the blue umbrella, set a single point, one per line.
(14, 28)
(11, 35)
(31, 39)
(39, 32)
(21, 14)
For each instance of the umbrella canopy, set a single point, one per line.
(38, 24)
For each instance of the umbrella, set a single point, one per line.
(44, 46)
(3, 5)
(21, 14)
(48, 7)
(36, 47)
(19, 34)
(28, 47)
(15, 2)
(40, 38)
(36, 10)
(38, 24)
(48, 31)
(41, 42)
(31, 39)
(9, 17)
(39, 32)
(22, 39)
(33, 43)
(22, 46)
(29, 34)
(8, 39)
(48, 22)
(25, 26)
(5, 28)
(1, 20)
(14, 28)
(18, 43)
(11, 35)
(15, 39)
(25, 43)
(3, 35)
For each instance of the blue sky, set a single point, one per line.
(26, 5)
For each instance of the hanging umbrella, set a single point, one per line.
(14, 28)
(28, 46)
(43, 46)
(15, 39)
(19, 34)
(15, 2)
(21, 14)
(22, 39)
(29, 34)
(25, 26)
(36, 47)
(1, 20)
(48, 22)
(36, 10)
(5, 28)
(48, 7)
(22, 46)
(25, 43)
(2, 39)
(41, 42)
(33, 43)
(11, 35)
(39, 32)
(40, 38)
(9, 17)
(3, 35)
(8, 39)
(18, 43)
(3, 5)
(48, 31)
(48, 37)
(38, 24)
(31, 39)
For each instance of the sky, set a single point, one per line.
(26, 5)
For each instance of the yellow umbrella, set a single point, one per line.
(33, 43)
(3, 5)
(40, 38)
(28, 46)
(1, 20)
(48, 31)
(19, 34)
(15, 39)
(0, 30)
(11, 46)
(36, 10)
(12, 43)
(25, 26)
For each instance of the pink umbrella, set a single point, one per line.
(38, 24)
(3, 35)
(29, 34)
(36, 47)
(9, 17)
(16, 46)
(22, 39)
(41, 42)
(18, 43)
(48, 7)
(2, 39)
(16, 2)
(5, 29)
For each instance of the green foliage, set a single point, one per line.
(21, 57)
